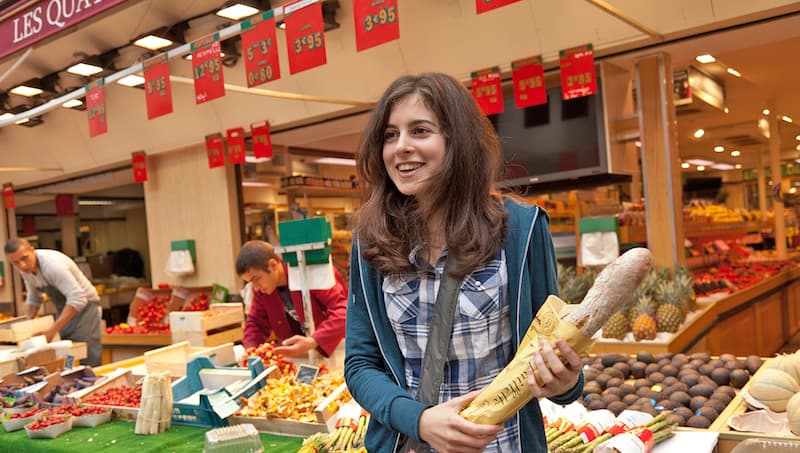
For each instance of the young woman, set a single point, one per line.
(430, 159)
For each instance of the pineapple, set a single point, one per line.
(684, 283)
(616, 326)
(575, 290)
(671, 312)
(644, 325)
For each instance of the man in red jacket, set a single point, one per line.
(277, 310)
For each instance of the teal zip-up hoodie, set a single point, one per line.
(373, 364)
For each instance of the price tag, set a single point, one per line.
(306, 374)
(69, 362)
(376, 22)
(259, 47)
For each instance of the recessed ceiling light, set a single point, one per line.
(719, 149)
(797, 147)
(736, 153)
(722, 166)
(638, 143)
(24, 90)
(237, 11)
(726, 110)
(72, 103)
(786, 118)
(734, 72)
(797, 138)
(6, 116)
(701, 167)
(685, 165)
(152, 42)
(131, 80)
(737, 166)
(699, 162)
(765, 111)
(705, 58)
(84, 69)
(699, 133)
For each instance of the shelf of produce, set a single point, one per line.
(320, 191)
(694, 230)
(118, 347)
(718, 328)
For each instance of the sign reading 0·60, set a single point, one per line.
(261, 62)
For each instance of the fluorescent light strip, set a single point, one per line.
(699, 162)
(734, 72)
(705, 58)
(72, 103)
(256, 160)
(336, 161)
(95, 202)
(131, 80)
(722, 167)
(256, 184)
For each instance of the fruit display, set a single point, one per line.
(71, 383)
(266, 351)
(5, 316)
(730, 276)
(695, 388)
(572, 288)
(197, 303)
(702, 212)
(348, 437)
(15, 422)
(776, 384)
(286, 399)
(122, 396)
(151, 318)
(49, 426)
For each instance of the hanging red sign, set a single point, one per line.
(376, 22)
(28, 224)
(528, 77)
(481, 6)
(305, 35)
(235, 144)
(65, 205)
(262, 143)
(260, 49)
(209, 82)
(139, 163)
(96, 108)
(578, 76)
(215, 147)
(157, 88)
(487, 91)
(8, 196)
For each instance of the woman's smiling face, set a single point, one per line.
(413, 145)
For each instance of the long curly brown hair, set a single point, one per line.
(463, 193)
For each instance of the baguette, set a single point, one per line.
(509, 391)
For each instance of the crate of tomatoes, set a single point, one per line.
(148, 313)
(120, 392)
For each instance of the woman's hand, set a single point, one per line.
(557, 378)
(446, 431)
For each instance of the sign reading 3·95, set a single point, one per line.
(376, 22)
(261, 62)
(305, 35)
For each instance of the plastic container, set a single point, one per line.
(767, 446)
(242, 438)
(92, 420)
(15, 424)
(51, 432)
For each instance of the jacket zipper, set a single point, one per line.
(519, 297)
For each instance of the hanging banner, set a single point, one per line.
(8, 196)
(260, 49)
(305, 35)
(65, 205)
(96, 108)
(139, 163)
(234, 139)
(481, 6)
(28, 225)
(528, 76)
(487, 90)
(578, 77)
(157, 88)
(376, 22)
(215, 147)
(262, 143)
(209, 83)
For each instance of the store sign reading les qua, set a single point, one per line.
(45, 18)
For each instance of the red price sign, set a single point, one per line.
(262, 143)
(139, 164)
(157, 88)
(215, 147)
(209, 82)
(305, 36)
(8, 196)
(376, 22)
(96, 109)
(65, 205)
(261, 63)
(528, 76)
(578, 76)
(481, 6)
(487, 90)
(235, 144)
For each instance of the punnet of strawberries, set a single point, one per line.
(27, 414)
(47, 421)
(124, 396)
(79, 411)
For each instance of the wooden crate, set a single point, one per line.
(172, 358)
(200, 329)
(118, 378)
(21, 328)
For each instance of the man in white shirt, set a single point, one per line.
(75, 298)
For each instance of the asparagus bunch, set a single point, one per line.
(660, 428)
(155, 411)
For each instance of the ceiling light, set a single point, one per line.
(72, 103)
(734, 72)
(797, 147)
(797, 137)
(793, 190)
(722, 166)
(22, 121)
(737, 166)
(131, 80)
(706, 58)
(25, 90)
(638, 144)
(699, 162)
(256, 160)
(152, 42)
(726, 110)
(84, 69)
(6, 116)
(256, 184)
(736, 153)
(336, 161)
(719, 149)
(95, 202)
(699, 133)
(685, 165)
(30, 122)
(701, 167)
(765, 111)
(237, 11)
(786, 118)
